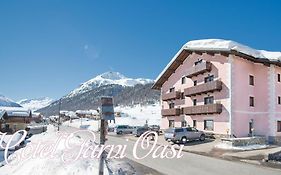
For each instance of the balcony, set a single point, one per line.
(203, 109)
(171, 96)
(203, 88)
(199, 69)
(170, 112)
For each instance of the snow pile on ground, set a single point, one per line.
(45, 164)
(228, 45)
(240, 148)
(84, 123)
(35, 104)
(106, 79)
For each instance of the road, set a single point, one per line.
(192, 163)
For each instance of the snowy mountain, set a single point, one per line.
(35, 104)
(107, 78)
(4, 101)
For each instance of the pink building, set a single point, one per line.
(222, 87)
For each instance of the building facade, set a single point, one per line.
(223, 90)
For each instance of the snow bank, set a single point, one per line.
(84, 123)
(239, 148)
(49, 166)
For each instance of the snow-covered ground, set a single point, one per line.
(138, 115)
(43, 163)
(133, 116)
(84, 123)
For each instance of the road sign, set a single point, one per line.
(107, 110)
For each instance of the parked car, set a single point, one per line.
(139, 131)
(184, 134)
(154, 127)
(123, 129)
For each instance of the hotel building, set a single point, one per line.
(222, 87)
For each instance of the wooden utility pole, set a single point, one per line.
(102, 142)
(106, 113)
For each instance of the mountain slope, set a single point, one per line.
(4, 101)
(35, 104)
(106, 79)
(123, 95)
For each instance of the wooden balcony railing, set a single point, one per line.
(170, 112)
(203, 88)
(199, 69)
(203, 109)
(171, 96)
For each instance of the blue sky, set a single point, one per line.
(47, 48)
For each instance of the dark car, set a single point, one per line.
(139, 131)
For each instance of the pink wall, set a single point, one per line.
(219, 70)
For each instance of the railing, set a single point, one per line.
(199, 69)
(170, 112)
(171, 95)
(203, 109)
(203, 88)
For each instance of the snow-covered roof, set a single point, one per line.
(228, 45)
(221, 45)
(16, 111)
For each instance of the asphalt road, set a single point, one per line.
(191, 163)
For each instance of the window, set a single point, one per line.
(209, 100)
(194, 123)
(171, 105)
(278, 126)
(279, 100)
(183, 80)
(251, 80)
(198, 62)
(171, 123)
(182, 95)
(179, 130)
(252, 101)
(209, 78)
(172, 89)
(209, 125)
(195, 82)
(278, 78)
(183, 124)
(182, 110)
(194, 102)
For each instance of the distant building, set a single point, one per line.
(222, 87)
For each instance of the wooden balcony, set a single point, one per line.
(170, 112)
(203, 109)
(203, 88)
(171, 96)
(199, 69)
